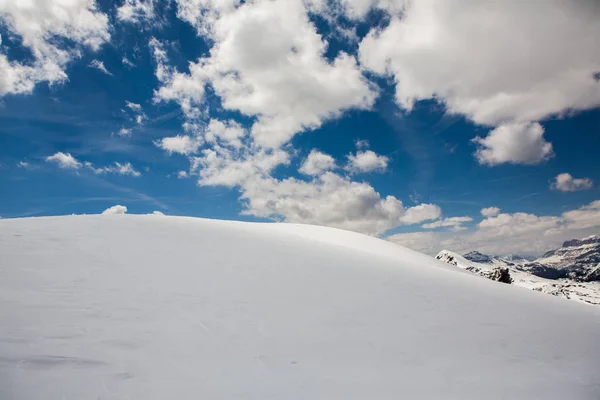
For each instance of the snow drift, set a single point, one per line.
(153, 307)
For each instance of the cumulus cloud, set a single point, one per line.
(326, 199)
(64, 160)
(515, 143)
(566, 183)
(115, 210)
(355, 9)
(316, 163)
(160, 213)
(490, 211)
(67, 161)
(329, 200)
(99, 65)
(123, 169)
(229, 132)
(136, 11)
(202, 14)
(585, 217)
(542, 65)
(528, 61)
(221, 166)
(267, 62)
(41, 24)
(453, 223)
(185, 89)
(182, 144)
(420, 213)
(366, 161)
(504, 233)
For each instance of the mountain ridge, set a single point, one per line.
(571, 271)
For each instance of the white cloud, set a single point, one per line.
(115, 210)
(527, 61)
(453, 223)
(67, 161)
(182, 174)
(137, 111)
(64, 160)
(124, 132)
(127, 62)
(43, 25)
(355, 9)
(136, 11)
(420, 213)
(490, 211)
(159, 213)
(515, 143)
(366, 161)
(585, 217)
(267, 61)
(99, 65)
(202, 14)
(123, 169)
(566, 183)
(329, 200)
(185, 89)
(133, 106)
(117, 169)
(231, 167)
(17, 78)
(316, 163)
(182, 144)
(361, 144)
(230, 132)
(26, 165)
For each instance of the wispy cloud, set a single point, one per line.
(99, 65)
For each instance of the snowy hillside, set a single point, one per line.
(154, 307)
(586, 292)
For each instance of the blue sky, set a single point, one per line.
(385, 117)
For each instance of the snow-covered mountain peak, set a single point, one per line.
(478, 257)
(577, 259)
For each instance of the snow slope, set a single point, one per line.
(585, 292)
(154, 307)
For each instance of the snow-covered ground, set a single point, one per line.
(154, 307)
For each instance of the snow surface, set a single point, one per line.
(155, 307)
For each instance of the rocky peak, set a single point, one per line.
(478, 257)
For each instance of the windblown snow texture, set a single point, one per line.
(155, 307)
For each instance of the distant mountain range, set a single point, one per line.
(571, 271)
(577, 259)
